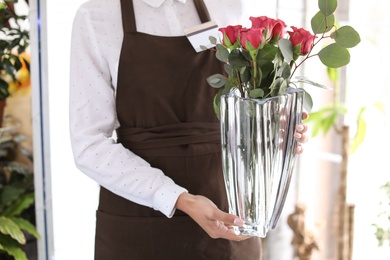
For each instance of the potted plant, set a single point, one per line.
(260, 103)
(17, 217)
(14, 40)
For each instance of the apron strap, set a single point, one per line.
(128, 17)
(202, 11)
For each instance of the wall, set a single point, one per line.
(74, 196)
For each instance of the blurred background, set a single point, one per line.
(339, 199)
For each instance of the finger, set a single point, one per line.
(305, 115)
(301, 128)
(228, 219)
(299, 149)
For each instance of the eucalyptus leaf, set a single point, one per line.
(228, 69)
(286, 48)
(321, 23)
(346, 36)
(213, 40)
(256, 93)
(307, 101)
(222, 53)
(217, 103)
(284, 71)
(275, 86)
(203, 48)
(327, 7)
(302, 79)
(284, 86)
(216, 80)
(334, 56)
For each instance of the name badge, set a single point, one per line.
(200, 35)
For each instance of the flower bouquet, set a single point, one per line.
(259, 104)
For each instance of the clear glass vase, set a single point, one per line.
(258, 156)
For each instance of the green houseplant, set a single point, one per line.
(16, 198)
(14, 40)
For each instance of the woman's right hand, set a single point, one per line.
(215, 222)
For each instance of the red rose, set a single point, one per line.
(303, 37)
(253, 35)
(276, 28)
(261, 22)
(232, 33)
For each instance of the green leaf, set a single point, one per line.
(245, 74)
(259, 77)
(267, 53)
(12, 248)
(318, 115)
(8, 227)
(213, 40)
(20, 205)
(327, 7)
(286, 48)
(203, 48)
(284, 86)
(256, 93)
(346, 37)
(216, 80)
(10, 194)
(237, 60)
(360, 132)
(222, 53)
(329, 121)
(305, 80)
(217, 103)
(333, 74)
(307, 101)
(26, 226)
(275, 86)
(334, 56)
(284, 71)
(321, 23)
(325, 118)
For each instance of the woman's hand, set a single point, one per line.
(215, 222)
(300, 134)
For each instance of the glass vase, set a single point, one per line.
(258, 156)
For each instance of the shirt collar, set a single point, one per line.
(157, 3)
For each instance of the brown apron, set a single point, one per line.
(164, 106)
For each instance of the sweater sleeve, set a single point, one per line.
(93, 121)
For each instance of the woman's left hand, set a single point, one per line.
(300, 134)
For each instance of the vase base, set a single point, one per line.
(251, 231)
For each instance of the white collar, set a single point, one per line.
(157, 3)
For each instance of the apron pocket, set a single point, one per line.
(138, 238)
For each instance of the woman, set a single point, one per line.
(134, 73)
